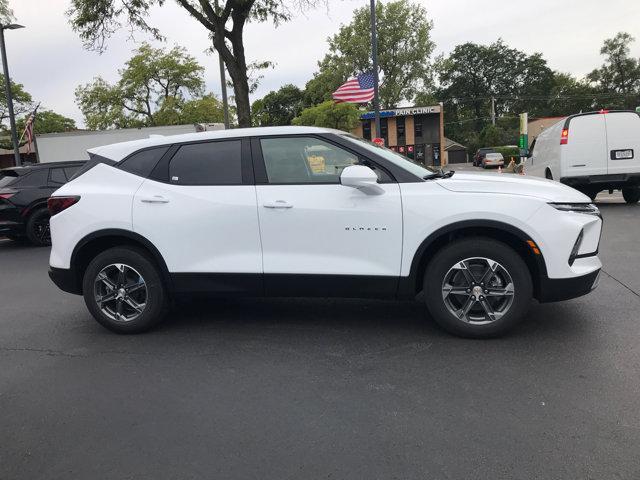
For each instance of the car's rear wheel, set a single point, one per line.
(477, 287)
(123, 290)
(37, 228)
(631, 194)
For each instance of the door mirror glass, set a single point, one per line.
(361, 178)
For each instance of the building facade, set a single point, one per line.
(416, 132)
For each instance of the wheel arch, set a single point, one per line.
(101, 240)
(512, 236)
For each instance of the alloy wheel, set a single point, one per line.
(120, 292)
(42, 231)
(478, 290)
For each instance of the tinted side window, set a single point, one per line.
(71, 171)
(304, 160)
(37, 178)
(211, 163)
(57, 177)
(141, 163)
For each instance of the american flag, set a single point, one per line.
(28, 129)
(356, 90)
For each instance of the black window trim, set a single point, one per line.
(260, 169)
(160, 172)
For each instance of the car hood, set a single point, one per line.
(511, 184)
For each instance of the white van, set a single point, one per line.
(591, 152)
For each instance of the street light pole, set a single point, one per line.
(7, 84)
(374, 58)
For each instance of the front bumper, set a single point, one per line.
(66, 280)
(557, 289)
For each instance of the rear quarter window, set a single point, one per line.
(143, 162)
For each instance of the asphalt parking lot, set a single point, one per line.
(283, 388)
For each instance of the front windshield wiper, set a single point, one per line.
(439, 174)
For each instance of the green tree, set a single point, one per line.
(207, 109)
(473, 74)
(404, 49)
(620, 73)
(341, 116)
(278, 107)
(224, 20)
(570, 95)
(47, 121)
(22, 101)
(153, 83)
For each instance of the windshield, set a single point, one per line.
(7, 177)
(400, 160)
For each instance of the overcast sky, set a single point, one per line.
(48, 58)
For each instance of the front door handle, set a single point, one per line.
(278, 204)
(154, 199)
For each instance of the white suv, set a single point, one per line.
(302, 211)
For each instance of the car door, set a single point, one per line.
(623, 142)
(318, 236)
(585, 152)
(199, 210)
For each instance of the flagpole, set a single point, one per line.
(374, 57)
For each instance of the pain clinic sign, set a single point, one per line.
(403, 112)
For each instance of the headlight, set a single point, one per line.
(588, 208)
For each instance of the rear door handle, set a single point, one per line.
(278, 204)
(154, 199)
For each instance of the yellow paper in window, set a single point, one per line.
(316, 163)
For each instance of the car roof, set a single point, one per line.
(118, 151)
(36, 166)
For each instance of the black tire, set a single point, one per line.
(548, 175)
(441, 266)
(38, 228)
(155, 295)
(631, 194)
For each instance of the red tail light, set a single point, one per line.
(58, 204)
(564, 137)
(603, 111)
(6, 196)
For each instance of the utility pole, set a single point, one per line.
(7, 86)
(225, 102)
(493, 111)
(374, 58)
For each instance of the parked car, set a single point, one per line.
(23, 199)
(591, 152)
(480, 153)
(263, 211)
(493, 160)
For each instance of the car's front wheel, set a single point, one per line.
(123, 290)
(477, 287)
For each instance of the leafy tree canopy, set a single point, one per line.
(48, 121)
(620, 73)
(404, 49)
(342, 116)
(279, 107)
(96, 21)
(153, 83)
(22, 101)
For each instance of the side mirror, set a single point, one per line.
(361, 178)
